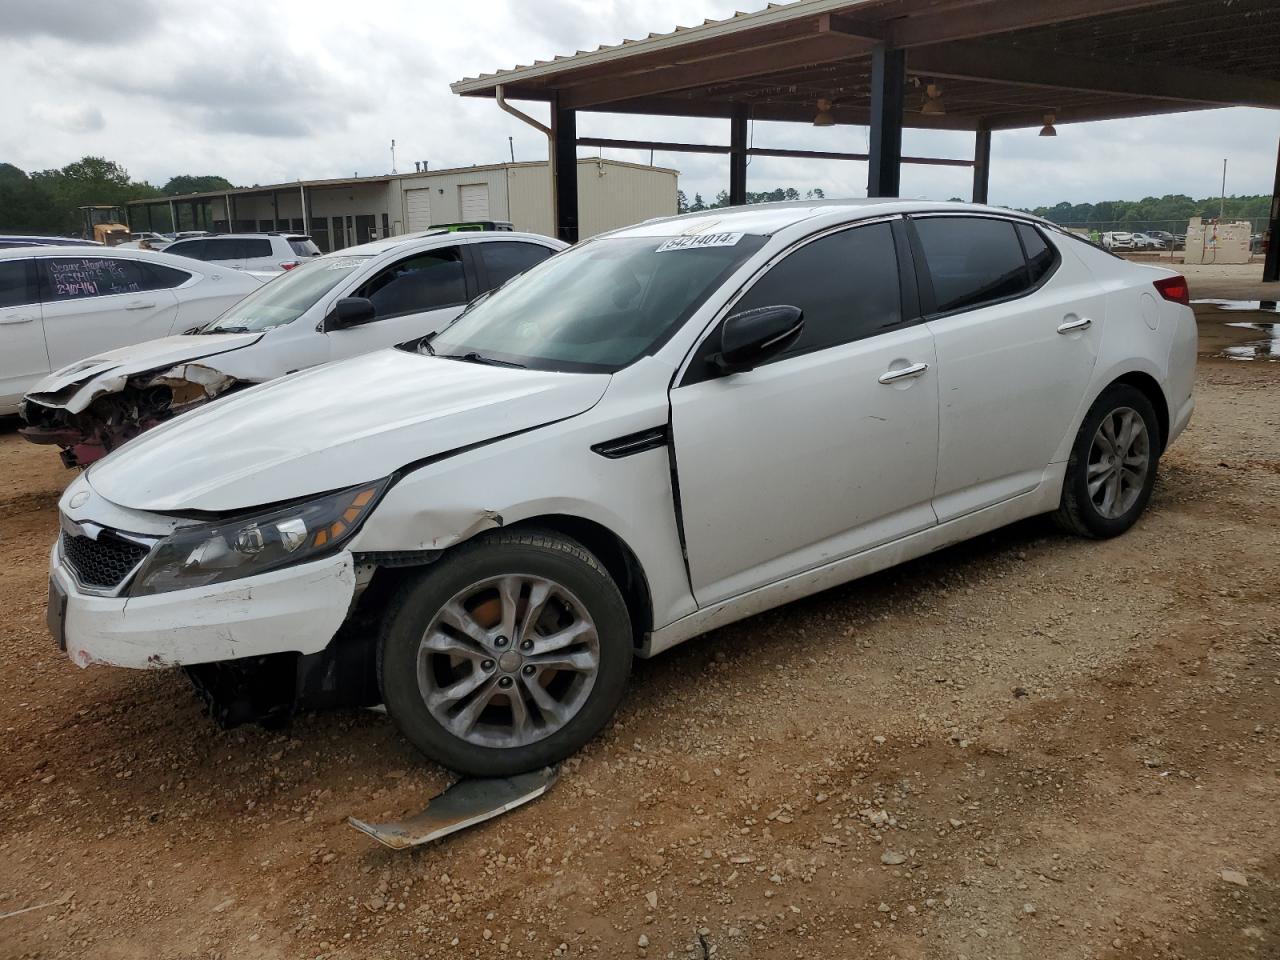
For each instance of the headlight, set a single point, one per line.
(231, 549)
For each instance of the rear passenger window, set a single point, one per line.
(76, 278)
(222, 249)
(507, 259)
(846, 284)
(158, 277)
(425, 281)
(16, 287)
(1040, 255)
(971, 261)
(252, 249)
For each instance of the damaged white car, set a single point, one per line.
(336, 306)
(655, 433)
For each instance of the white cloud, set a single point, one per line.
(263, 92)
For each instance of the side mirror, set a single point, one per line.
(749, 338)
(351, 312)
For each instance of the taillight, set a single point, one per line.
(288, 264)
(1174, 289)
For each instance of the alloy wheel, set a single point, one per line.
(508, 661)
(1119, 459)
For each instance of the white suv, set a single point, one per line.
(259, 252)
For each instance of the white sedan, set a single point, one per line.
(329, 308)
(61, 304)
(657, 432)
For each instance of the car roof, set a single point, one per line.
(427, 238)
(769, 218)
(128, 253)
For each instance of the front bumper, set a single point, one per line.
(296, 609)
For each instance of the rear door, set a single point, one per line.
(24, 358)
(1017, 324)
(256, 253)
(93, 304)
(413, 296)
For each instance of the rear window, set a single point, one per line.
(304, 247)
(972, 261)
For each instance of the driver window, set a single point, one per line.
(425, 281)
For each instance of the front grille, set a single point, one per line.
(102, 563)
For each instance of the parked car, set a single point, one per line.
(261, 252)
(1167, 239)
(1118, 240)
(8, 241)
(335, 306)
(61, 304)
(660, 431)
(1145, 241)
(147, 240)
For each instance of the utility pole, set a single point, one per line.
(511, 145)
(393, 155)
(1222, 199)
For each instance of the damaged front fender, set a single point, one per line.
(89, 420)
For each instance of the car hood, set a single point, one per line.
(74, 387)
(332, 427)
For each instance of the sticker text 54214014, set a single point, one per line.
(704, 240)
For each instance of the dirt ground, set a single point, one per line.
(1024, 746)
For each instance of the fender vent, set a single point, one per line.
(638, 442)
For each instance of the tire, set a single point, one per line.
(444, 631)
(1079, 510)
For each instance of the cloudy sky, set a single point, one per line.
(263, 92)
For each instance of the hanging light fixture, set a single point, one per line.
(1049, 130)
(933, 105)
(824, 117)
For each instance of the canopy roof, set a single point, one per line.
(998, 63)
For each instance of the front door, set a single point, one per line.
(23, 357)
(827, 450)
(1017, 324)
(94, 304)
(414, 296)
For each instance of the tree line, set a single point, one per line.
(684, 205)
(1174, 208)
(46, 202)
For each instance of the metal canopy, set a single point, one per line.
(999, 63)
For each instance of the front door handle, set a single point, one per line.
(141, 305)
(892, 376)
(23, 318)
(1070, 326)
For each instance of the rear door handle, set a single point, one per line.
(18, 319)
(915, 370)
(141, 305)
(1080, 323)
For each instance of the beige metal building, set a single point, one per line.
(341, 213)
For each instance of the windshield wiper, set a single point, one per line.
(233, 329)
(474, 357)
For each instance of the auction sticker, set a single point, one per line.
(704, 240)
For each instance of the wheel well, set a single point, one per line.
(1147, 385)
(617, 558)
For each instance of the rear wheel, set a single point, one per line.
(508, 655)
(1112, 469)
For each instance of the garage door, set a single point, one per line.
(417, 209)
(474, 201)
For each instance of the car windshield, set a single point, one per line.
(287, 297)
(599, 306)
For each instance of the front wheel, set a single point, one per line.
(508, 655)
(1112, 469)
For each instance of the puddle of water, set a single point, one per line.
(1220, 339)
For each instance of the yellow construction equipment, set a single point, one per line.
(104, 223)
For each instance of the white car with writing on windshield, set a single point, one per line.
(335, 306)
(60, 304)
(657, 432)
